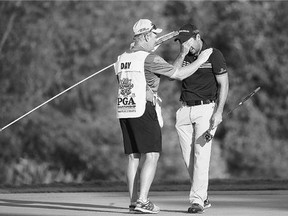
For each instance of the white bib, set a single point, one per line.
(129, 68)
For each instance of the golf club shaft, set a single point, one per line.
(3, 128)
(243, 101)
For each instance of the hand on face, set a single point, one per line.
(185, 47)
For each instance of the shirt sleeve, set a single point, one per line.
(157, 65)
(218, 62)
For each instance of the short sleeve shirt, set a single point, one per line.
(154, 67)
(202, 85)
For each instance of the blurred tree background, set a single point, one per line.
(47, 46)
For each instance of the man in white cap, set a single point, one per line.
(138, 72)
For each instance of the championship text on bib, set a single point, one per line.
(131, 101)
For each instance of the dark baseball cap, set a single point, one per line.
(186, 32)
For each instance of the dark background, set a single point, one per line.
(47, 46)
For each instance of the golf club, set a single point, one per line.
(208, 136)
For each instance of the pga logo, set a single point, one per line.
(126, 101)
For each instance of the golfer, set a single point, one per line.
(203, 96)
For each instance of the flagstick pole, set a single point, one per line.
(11, 123)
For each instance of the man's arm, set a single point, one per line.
(179, 60)
(156, 64)
(223, 83)
(186, 71)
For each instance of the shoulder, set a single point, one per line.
(217, 54)
(218, 62)
(154, 58)
(157, 65)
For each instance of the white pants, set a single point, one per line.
(191, 123)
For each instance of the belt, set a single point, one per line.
(197, 102)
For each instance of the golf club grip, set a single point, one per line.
(166, 37)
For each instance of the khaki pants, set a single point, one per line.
(191, 123)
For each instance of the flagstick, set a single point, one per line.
(54, 97)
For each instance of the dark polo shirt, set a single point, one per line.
(202, 85)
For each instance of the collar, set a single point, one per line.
(204, 46)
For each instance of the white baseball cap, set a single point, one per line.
(145, 25)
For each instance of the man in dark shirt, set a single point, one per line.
(203, 96)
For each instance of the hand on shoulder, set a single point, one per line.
(205, 54)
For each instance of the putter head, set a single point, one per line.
(207, 136)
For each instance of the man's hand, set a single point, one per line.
(205, 54)
(185, 47)
(215, 120)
